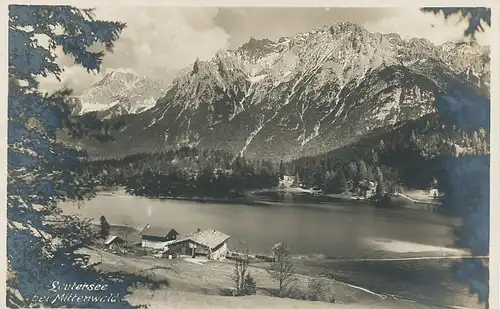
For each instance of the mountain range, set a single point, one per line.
(298, 96)
(118, 93)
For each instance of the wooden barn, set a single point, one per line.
(208, 243)
(114, 242)
(157, 237)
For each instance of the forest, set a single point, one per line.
(409, 156)
(185, 172)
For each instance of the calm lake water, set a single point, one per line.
(333, 230)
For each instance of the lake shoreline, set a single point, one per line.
(260, 228)
(396, 202)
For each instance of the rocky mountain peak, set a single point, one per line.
(116, 77)
(258, 48)
(347, 27)
(308, 93)
(118, 93)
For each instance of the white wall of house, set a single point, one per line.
(287, 181)
(153, 244)
(433, 192)
(288, 178)
(113, 246)
(220, 253)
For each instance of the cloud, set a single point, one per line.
(158, 41)
(411, 23)
(74, 77)
(273, 23)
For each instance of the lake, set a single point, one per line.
(339, 232)
(332, 230)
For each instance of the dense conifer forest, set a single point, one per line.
(186, 172)
(411, 156)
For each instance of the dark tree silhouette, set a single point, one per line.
(469, 183)
(343, 183)
(183, 173)
(380, 190)
(41, 169)
(474, 16)
(104, 227)
(249, 285)
(362, 171)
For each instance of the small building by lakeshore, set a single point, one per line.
(114, 242)
(367, 189)
(157, 237)
(208, 243)
(288, 181)
(434, 193)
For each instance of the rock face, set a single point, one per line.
(119, 93)
(306, 94)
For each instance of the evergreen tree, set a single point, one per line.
(485, 147)
(196, 67)
(413, 137)
(249, 285)
(104, 227)
(282, 170)
(297, 179)
(380, 190)
(467, 142)
(475, 142)
(352, 171)
(369, 174)
(362, 171)
(482, 133)
(455, 150)
(375, 157)
(344, 185)
(41, 169)
(329, 163)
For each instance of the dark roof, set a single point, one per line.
(157, 231)
(207, 238)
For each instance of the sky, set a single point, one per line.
(159, 41)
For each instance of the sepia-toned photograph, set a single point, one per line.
(248, 157)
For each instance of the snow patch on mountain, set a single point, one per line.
(120, 92)
(391, 106)
(256, 79)
(307, 139)
(92, 107)
(250, 138)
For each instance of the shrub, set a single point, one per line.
(227, 292)
(249, 286)
(318, 290)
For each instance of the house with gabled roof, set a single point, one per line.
(157, 237)
(208, 243)
(114, 242)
